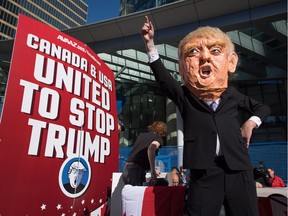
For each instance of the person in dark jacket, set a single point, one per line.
(216, 140)
(142, 156)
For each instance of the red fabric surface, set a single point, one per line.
(163, 201)
(264, 206)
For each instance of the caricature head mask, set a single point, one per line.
(206, 57)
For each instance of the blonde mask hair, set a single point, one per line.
(206, 32)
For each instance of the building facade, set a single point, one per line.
(58, 14)
(132, 6)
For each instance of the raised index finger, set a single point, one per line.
(147, 19)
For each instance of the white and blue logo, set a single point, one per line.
(74, 176)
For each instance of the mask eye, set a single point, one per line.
(215, 50)
(192, 52)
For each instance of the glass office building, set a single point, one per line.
(132, 6)
(59, 14)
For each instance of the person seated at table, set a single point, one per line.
(175, 177)
(275, 181)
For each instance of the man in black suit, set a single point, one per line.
(215, 140)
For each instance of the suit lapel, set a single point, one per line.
(225, 96)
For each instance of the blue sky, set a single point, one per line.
(99, 10)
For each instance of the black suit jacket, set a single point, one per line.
(201, 124)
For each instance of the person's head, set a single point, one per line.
(158, 127)
(206, 57)
(120, 126)
(271, 173)
(175, 170)
(175, 178)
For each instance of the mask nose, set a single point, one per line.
(205, 56)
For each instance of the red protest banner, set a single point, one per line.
(58, 134)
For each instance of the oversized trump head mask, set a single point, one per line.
(206, 57)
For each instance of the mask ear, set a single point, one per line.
(233, 59)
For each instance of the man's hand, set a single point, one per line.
(147, 33)
(246, 131)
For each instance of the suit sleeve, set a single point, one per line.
(170, 87)
(254, 107)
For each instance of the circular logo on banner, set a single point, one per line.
(74, 176)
